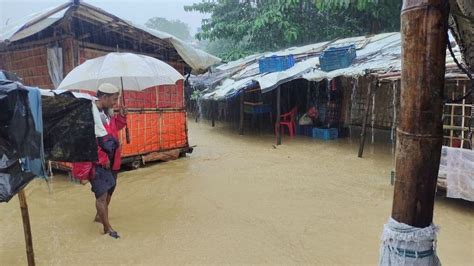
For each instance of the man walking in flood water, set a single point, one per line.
(106, 168)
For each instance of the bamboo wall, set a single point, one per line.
(29, 64)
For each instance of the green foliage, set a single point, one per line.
(173, 27)
(248, 26)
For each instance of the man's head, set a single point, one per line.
(108, 95)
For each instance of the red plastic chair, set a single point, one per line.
(288, 120)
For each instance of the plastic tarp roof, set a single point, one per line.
(230, 87)
(378, 54)
(197, 59)
(381, 54)
(26, 26)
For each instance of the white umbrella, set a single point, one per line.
(125, 70)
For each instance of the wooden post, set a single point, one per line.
(451, 132)
(277, 125)
(308, 90)
(241, 124)
(26, 228)
(364, 123)
(424, 24)
(213, 113)
(463, 113)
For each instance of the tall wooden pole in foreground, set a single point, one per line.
(26, 228)
(419, 130)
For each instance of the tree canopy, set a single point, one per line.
(173, 27)
(248, 26)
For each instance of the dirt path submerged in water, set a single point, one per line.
(235, 200)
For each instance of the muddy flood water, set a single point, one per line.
(235, 200)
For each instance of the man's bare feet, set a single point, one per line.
(112, 233)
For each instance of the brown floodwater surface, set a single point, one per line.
(235, 200)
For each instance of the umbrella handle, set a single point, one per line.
(127, 133)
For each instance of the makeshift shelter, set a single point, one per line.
(43, 47)
(377, 63)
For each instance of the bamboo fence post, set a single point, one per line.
(463, 113)
(277, 125)
(364, 123)
(241, 123)
(213, 113)
(26, 228)
(451, 132)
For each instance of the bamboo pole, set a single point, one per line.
(451, 132)
(213, 113)
(364, 123)
(277, 125)
(420, 131)
(241, 124)
(26, 228)
(463, 115)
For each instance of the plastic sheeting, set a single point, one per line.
(36, 164)
(55, 64)
(197, 59)
(69, 129)
(406, 245)
(457, 167)
(377, 54)
(12, 177)
(60, 124)
(17, 125)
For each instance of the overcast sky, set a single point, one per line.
(138, 11)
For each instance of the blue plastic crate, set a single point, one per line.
(275, 63)
(325, 133)
(337, 57)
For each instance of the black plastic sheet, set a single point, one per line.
(12, 178)
(68, 129)
(18, 139)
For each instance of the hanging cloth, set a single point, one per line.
(55, 64)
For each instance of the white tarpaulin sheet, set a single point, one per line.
(457, 166)
(229, 88)
(197, 59)
(19, 29)
(272, 80)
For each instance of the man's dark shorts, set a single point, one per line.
(103, 182)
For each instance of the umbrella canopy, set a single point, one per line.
(137, 72)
